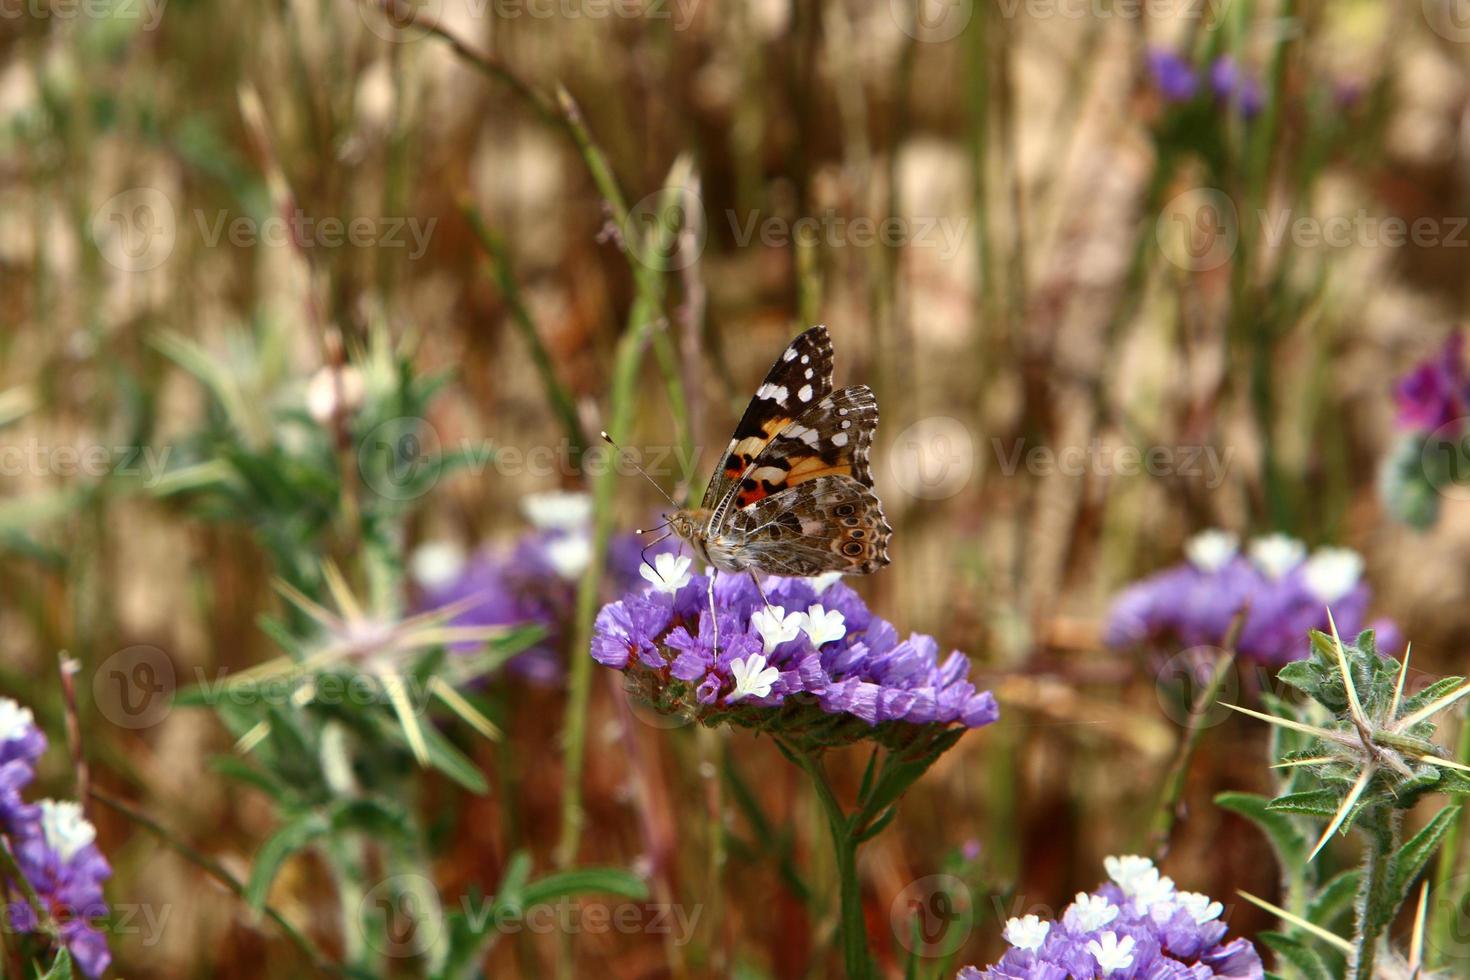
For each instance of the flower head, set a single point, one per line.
(834, 659)
(1028, 933)
(752, 677)
(1173, 76)
(776, 626)
(1131, 927)
(1233, 86)
(669, 573)
(1280, 591)
(1434, 393)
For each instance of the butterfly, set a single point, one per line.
(794, 494)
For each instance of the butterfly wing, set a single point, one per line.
(827, 524)
(801, 377)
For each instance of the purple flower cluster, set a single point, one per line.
(1436, 392)
(1283, 592)
(814, 646)
(1135, 926)
(53, 847)
(1177, 81)
(534, 581)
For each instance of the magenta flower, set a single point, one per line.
(1433, 394)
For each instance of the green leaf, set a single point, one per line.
(1334, 898)
(234, 767)
(581, 881)
(286, 841)
(1414, 855)
(1298, 954)
(1286, 840)
(1317, 803)
(60, 968)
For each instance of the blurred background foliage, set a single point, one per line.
(580, 216)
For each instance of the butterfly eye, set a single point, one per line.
(859, 534)
(852, 549)
(845, 510)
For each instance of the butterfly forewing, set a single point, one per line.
(800, 378)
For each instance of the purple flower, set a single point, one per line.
(1236, 88)
(816, 648)
(1283, 593)
(534, 581)
(1173, 76)
(21, 744)
(1138, 925)
(66, 870)
(1433, 394)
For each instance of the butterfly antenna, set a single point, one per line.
(641, 471)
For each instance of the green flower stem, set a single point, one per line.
(1445, 906)
(856, 959)
(1376, 903)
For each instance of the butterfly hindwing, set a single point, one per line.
(828, 524)
(800, 379)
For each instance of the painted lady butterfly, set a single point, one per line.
(794, 495)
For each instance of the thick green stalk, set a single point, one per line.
(858, 964)
(1375, 903)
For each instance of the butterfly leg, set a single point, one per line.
(759, 591)
(713, 621)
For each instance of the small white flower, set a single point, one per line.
(557, 510)
(569, 554)
(1200, 907)
(1332, 573)
(752, 677)
(1111, 955)
(1090, 913)
(823, 625)
(1127, 869)
(776, 626)
(1028, 933)
(1277, 554)
(669, 573)
(821, 583)
(15, 721)
(1152, 890)
(1212, 550)
(64, 827)
(435, 564)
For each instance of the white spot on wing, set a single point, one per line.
(790, 355)
(840, 439)
(805, 393)
(775, 393)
